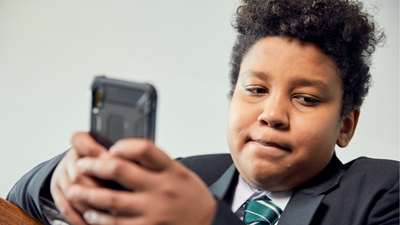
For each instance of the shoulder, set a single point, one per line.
(208, 167)
(374, 186)
(373, 175)
(375, 168)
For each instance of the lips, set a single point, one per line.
(272, 144)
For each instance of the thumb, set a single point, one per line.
(86, 145)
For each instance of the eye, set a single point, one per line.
(256, 90)
(308, 100)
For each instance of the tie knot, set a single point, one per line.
(261, 212)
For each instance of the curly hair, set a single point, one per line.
(341, 28)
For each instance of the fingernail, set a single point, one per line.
(91, 216)
(83, 164)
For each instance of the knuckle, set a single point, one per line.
(91, 150)
(112, 202)
(116, 168)
(79, 179)
(180, 171)
(141, 152)
(168, 189)
(145, 146)
(182, 174)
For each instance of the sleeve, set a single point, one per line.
(26, 192)
(386, 208)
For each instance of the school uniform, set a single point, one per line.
(363, 191)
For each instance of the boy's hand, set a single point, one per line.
(164, 191)
(66, 174)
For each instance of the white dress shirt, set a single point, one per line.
(244, 191)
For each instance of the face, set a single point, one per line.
(284, 118)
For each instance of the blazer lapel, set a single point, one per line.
(221, 186)
(307, 198)
(301, 209)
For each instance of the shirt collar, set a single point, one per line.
(244, 191)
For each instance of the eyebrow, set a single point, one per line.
(299, 82)
(304, 82)
(258, 74)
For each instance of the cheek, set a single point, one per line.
(240, 119)
(235, 126)
(318, 135)
(236, 118)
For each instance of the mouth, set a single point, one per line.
(271, 144)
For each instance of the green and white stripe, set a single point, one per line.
(261, 212)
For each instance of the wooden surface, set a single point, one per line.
(12, 214)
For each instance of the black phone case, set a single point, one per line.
(121, 109)
(127, 110)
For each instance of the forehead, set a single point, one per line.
(303, 61)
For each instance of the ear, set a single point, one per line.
(348, 129)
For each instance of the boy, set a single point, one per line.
(299, 76)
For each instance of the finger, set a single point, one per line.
(88, 182)
(73, 174)
(64, 184)
(63, 181)
(112, 201)
(100, 218)
(142, 151)
(124, 172)
(70, 164)
(64, 172)
(72, 171)
(86, 145)
(63, 206)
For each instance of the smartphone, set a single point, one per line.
(122, 109)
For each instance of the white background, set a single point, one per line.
(50, 50)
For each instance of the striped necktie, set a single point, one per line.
(261, 212)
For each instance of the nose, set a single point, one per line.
(275, 112)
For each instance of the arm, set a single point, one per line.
(153, 162)
(386, 209)
(51, 180)
(25, 192)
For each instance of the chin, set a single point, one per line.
(261, 176)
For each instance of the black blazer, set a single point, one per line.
(364, 191)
